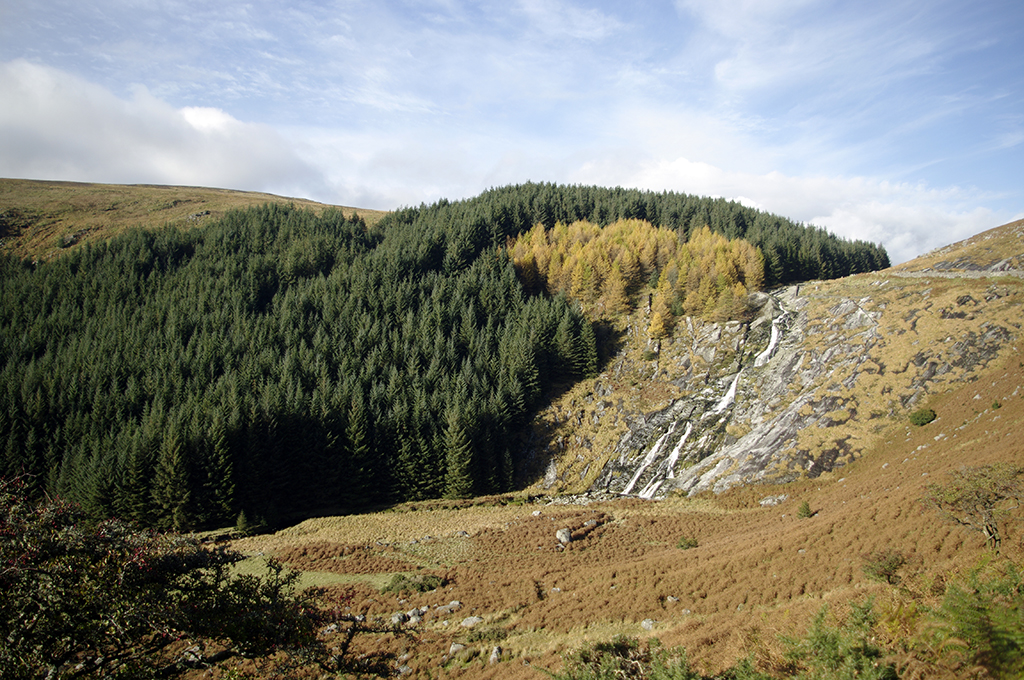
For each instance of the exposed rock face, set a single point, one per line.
(810, 383)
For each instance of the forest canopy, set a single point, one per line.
(277, 363)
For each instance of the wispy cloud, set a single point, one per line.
(882, 120)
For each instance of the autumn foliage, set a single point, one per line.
(612, 270)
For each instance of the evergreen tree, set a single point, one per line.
(171, 492)
(458, 451)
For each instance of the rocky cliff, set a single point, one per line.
(818, 376)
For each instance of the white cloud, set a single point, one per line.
(56, 126)
(908, 219)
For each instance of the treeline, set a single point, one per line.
(275, 362)
(792, 252)
(709, 276)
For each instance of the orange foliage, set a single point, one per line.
(604, 268)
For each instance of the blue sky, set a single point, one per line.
(895, 122)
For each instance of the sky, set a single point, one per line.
(900, 123)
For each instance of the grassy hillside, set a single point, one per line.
(40, 218)
(757, 572)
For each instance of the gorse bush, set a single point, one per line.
(922, 416)
(882, 565)
(686, 542)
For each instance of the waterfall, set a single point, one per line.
(764, 356)
(674, 458)
(729, 397)
(648, 459)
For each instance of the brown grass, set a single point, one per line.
(756, 573)
(45, 218)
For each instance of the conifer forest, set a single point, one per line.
(277, 363)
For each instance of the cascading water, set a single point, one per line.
(729, 398)
(706, 411)
(651, 456)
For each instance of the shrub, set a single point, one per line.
(843, 651)
(686, 542)
(626, 658)
(804, 511)
(882, 565)
(922, 416)
(487, 634)
(418, 583)
(105, 600)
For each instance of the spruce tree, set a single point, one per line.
(171, 492)
(459, 456)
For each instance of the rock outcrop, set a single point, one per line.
(811, 382)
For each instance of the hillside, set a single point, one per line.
(195, 377)
(41, 218)
(759, 571)
(277, 364)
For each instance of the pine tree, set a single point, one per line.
(613, 293)
(459, 457)
(171, 492)
(360, 478)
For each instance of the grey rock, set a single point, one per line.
(564, 535)
(647, 624)
(495, 655)
(471, 621)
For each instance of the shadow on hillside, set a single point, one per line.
(610, 341)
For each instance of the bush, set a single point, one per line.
(626, 658)
(419, 583)
(882, 566)
(686, 542)
(922, 416)
(105, 600)
(804, 511)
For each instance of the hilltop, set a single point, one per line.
(41, 218)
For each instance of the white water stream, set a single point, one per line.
(762, 358)
(657, 463)
(651, 456)
(674, 458)
(729, 397)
